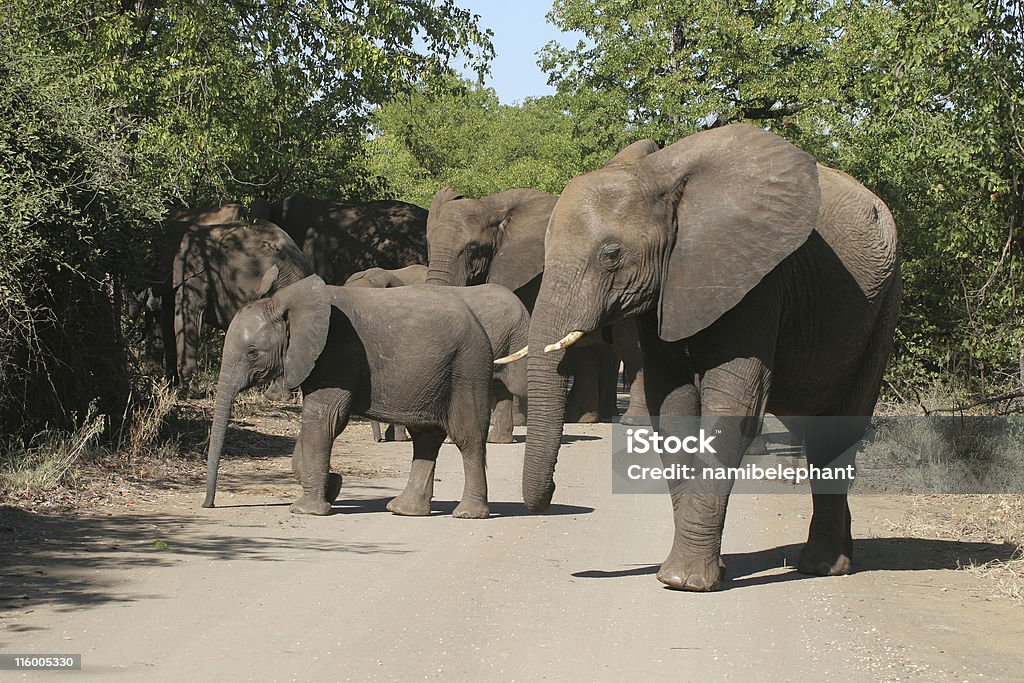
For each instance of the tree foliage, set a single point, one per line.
(114, 109)
(462, 136)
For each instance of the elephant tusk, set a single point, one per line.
(565, 342)
(513, 357)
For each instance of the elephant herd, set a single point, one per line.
(729, 272)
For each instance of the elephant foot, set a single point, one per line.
(333, 486)
(697, 575)
(500, 436)
(469, 509)
(409, 505)
(826, 559)
(631, 418)
(588, 417)
(311, 505)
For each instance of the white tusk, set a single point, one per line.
(513, 357)
(565, 342)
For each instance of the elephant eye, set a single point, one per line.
(252, 353)
(611, 254)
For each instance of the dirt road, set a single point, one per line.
(247, 591)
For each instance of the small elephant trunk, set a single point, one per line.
(227, 389)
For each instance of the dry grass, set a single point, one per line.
(982, 518)
(50, 461)
(986, 455)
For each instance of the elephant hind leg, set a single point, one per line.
(468, 418)
(830, 443)
(414, 501)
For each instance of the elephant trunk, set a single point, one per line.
(548, 386)
(446, 269)
(227, 389)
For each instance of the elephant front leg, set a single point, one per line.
(312, 456)
(582, 405)
(730, 403)
(695, 561)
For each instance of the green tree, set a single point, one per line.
(254, 98)
(464, 137)
(919, 100)
(112, 109)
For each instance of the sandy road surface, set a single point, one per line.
(249, 592)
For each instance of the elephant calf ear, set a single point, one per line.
(306, 309)
(266, 282)
(744, 200)
(634, 152)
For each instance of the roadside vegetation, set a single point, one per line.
(112, 112)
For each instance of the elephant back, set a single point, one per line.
(340, 240)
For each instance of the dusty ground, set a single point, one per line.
(142, 581)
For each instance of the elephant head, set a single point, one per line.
(382, 278)
(497, 239)
(282, 335)
(683, 232)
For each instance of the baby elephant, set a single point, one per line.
(506, 322)
(420, 358)
(382, 278)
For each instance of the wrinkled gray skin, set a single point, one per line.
(500, 239)
(419, 358)
(506, 322)
(341, 239)
(217, 270)
(760, 280)
(156, 303)
(382, 278)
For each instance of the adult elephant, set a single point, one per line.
(760, 280)
(217, 270)
(500, 239)
(339, 240)
(156, 302)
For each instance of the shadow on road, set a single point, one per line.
(439, 508)
(62, 560)
(871, 554)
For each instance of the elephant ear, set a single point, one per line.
(306, 309)
(634, 152)
(445, 194)
(266, 282)
(522, 219)
(743, 199)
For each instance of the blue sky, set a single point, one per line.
(520, 30)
